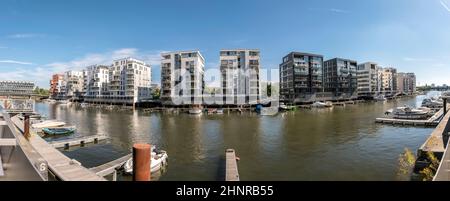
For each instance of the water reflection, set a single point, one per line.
(340, 143)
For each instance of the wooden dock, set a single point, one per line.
(111, 167)
(61, 166)
(432, 121)
(435, 143)
(231, 168)
(78, 141)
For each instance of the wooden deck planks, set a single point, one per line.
(231, 171)
(58, 163)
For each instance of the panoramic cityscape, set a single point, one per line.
(281, 95)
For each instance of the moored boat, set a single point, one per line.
(196, 110)
(219, 111)
(158, 161)
(59, 131)
(48, 124)
(319, 104)
(380, 98)
(410, 113)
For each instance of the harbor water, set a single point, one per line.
(340, 143)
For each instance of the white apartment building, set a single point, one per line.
(369, 79)
(129, 81)
(182, 78)
(74, 81)
(240, 76)
(96, 82)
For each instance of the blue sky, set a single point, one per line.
(38, 38)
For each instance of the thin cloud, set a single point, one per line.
(411, 59)
(15, 62)
(3, 47)
(26, 35)
(336, 10)
(445, 5)
(333, 10)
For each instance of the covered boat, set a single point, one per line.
(59, 131)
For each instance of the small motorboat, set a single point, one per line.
(84, 105)
(430, 103)
(158, 161)
(408, 112)
(319, 104)
(268, 111)
(380, 98)
(212, 111)
(219, 111)
(196, 110)
(50, 101)
(48, 124)
(59, 131)
(284, 107)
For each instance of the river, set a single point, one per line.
(341, 143)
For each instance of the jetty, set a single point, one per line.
(81, 141)
(431, 122)
(59, 165)
(111, 167)
(231, 168)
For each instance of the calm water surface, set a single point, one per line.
(342, 143)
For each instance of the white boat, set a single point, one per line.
(219, 111)
(269, 111)
(158, 161)
(84, 105)
(50, 101)
(62, 102)
(319, 104)
(196, 110)
(410, 113)
(430, 103)
(380, 98)
(48, 124)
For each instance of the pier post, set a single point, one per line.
(26, 126)
(445, 106)
(141, 162)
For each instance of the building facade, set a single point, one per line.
(406, 83)
(55, 85)
(96, 82)
(129, 80)
(182, 78)
(19, 88)
(301, 77)
(369, 80)
(340, 78)
(74, 81)
(389, 81)
(240, 82)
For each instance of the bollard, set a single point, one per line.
(445, 106)
(26, 126)
(141, 162)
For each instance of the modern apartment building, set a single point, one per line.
(96, 82)
(389, 81)
(340, 78)
(55, 84)
(301, 77)
(129, 81)
(182, 78)
(74, 81)
(240, 76)
(406, 83)
(411, 84)
(369, 79)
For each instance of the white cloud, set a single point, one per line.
(26, 35)
(445, 4)
(152, 58)
(15, 62)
